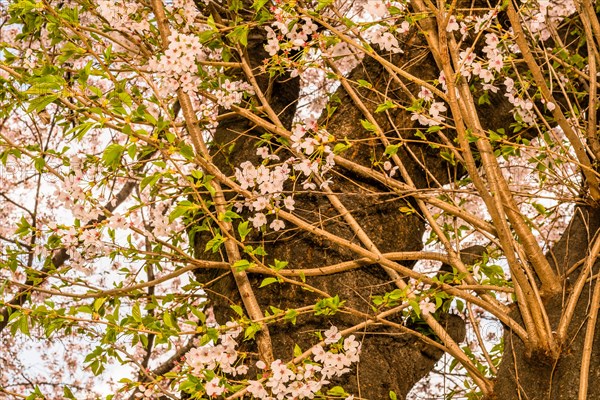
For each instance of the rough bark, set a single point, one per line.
(389, 361)
(534, 376)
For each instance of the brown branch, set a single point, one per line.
(588, 343)
(59, 258)
(557, 113)
(243, 284)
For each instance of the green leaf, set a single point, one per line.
(494, 137)
(328, 306)
(471, 137)
(395, 10)
(484, 99)
(258, 4)
(453, 365)
(79, 131)
(68, 394)
(420, 134)
(368, 125)
(136, 313)
(43, 88)
(259, 251)
(392, 149)
(243, 230)
(337, 391)
(415, 306)
(24, 325)
(112, 155)
(215, 243)
(348, 22)
(208, 185)
(108, 54)
(448, 156)
(98, 303)
(40, 103)
(228, 216)
(435, 128)
(239, 35)
(242, 265)
(39, 164)
(291, 315)
(125, 98)
(132, 150)
(70, 50)
(97, 367)
(186, 151)
(322, 4)
(23, 227)
(151, 180)
(168, 319)
(385, 106)
(268, 281)
(210, 21)
(539, 208)
(182, 208)
(251, 331)
(36, 394)
(297, 351)
(238, 310)
(279, 265)
(341, 147)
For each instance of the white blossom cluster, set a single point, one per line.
(267, 186)
(427, 307)
(118, 15)
(485, 67)
(541, 16)
(385, 32)
(177, 66)
(71, 194)
(434, 109)
(523, 107)
(294, 36)
(80, 244)
(222, 355)
(386, 40)
(177, 69)
(494, 61)
(308, 140)
(208, 114)
(279, 380)
(315, 159)
(231, 93)
(489, 65)
(161, 226)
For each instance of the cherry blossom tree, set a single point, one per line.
(278, 199)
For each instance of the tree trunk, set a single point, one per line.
(390, 361)
(534, 376)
